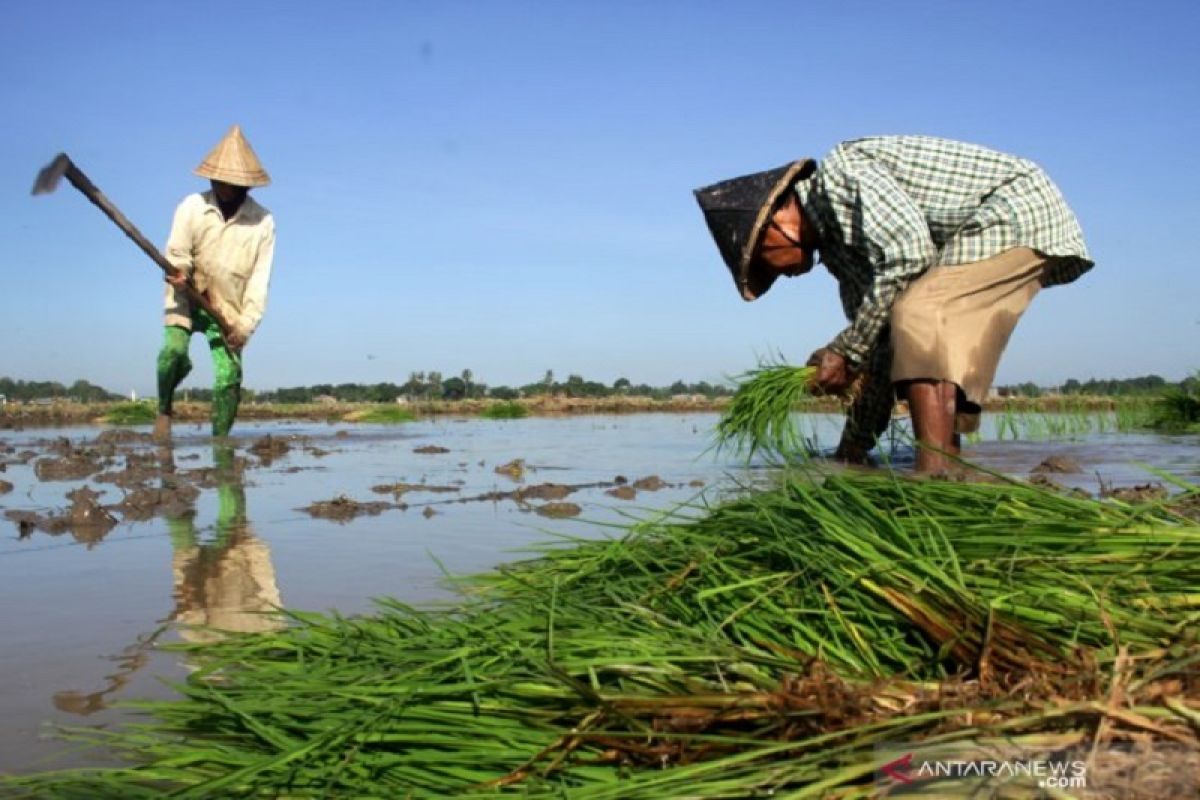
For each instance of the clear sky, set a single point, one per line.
(506, 186)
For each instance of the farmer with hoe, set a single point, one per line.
(222, 243)
(937, 247)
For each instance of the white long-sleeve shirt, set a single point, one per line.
(228, 259)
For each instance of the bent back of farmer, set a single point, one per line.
(222, 243)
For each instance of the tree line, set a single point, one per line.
(81, 391)
(436, 386)
(1111, 387)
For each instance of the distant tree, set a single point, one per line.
(621, 385)
(454, 389)
(503, 393)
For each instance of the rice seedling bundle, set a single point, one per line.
(759, 417)
(768, 644)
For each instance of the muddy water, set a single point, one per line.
(110, 545)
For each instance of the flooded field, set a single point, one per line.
(112, 545)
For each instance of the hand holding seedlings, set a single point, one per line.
(833, 374)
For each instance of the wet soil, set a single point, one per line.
(344, 509)
(270, 448)
(558, 510)
(1062, 465)
(398, 490)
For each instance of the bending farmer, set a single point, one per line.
(937, 247)
(222, 242)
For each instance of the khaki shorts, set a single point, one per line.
(953, 323)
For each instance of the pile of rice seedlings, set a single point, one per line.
(505, 409)
(759, 417)
(773, 644)
(140, 412)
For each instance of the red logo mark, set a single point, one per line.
(898, 769)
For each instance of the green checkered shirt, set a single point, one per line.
(888, 208)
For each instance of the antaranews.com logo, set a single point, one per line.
(1038, 767)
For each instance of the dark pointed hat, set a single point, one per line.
(737, 212)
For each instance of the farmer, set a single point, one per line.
(937, 247)
(222, 242)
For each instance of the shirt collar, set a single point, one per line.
(809, 196)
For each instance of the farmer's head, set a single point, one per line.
(228, 194)
(759, 227)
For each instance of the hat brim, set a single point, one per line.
(755, 281)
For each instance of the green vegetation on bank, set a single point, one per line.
(1178, 409)
(765, 646)
(382, 414)
(132, 413)
(505, 409)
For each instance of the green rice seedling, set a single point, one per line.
(1132, 413)
(141, 412)
(759, 417)
(769, 645)
(506, 409)
(382, 414)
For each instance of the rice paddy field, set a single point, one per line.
(598, 607)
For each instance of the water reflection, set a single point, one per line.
(224, 583)
(223, 579)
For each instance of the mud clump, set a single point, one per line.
(5, 487)
(269, 449)
(651, 483)
(344, 509)
(622, 492)
(1058, 465)
(399, 489)
(29, 521)
(1042, 481)
(86, 520)
(428, 512)
(146, 503)
(558, 510)
(431, 449)
(1146, 493)
(74, 467)
(543, 491)
(514, 469)
(90, 521)
(123, 436)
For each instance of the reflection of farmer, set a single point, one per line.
(222, 241)
(227, 583)
(937, 247)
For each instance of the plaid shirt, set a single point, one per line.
(888, 208)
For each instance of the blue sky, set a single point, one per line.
(506, 186)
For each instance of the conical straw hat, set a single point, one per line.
(233, 161)
(737, 212)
